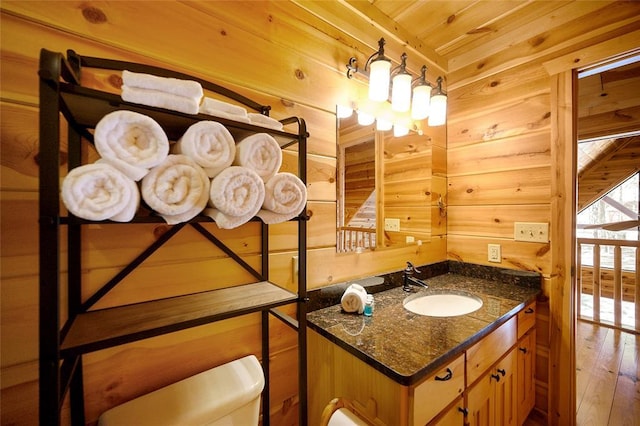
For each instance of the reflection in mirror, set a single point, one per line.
(356, 186)
(384, 188)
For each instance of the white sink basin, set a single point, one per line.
(449, 304)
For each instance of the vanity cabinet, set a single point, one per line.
(526, 349)
(491, 377)
(436, 392)
(491, 401)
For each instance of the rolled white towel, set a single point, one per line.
(261, 153)
(185, 88)
(99, 191)
(158, 99)
(236, 195)
(354, 298)
(285, 198)
(212, 106)
(177, 189)
(264, 121)
(209, 144)
(131, 142)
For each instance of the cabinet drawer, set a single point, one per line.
(437, 391)
(526, 319)
(487, 351)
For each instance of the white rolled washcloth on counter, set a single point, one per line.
(99, 191)
(264, 121)
(209, 144)
(236, 195)
(177, 189)
(285, 198)
(261, 153)
(353, 299)
(222, 109)
(131, 142)
(162, 92)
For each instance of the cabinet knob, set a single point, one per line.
(495, 376)
(529, 311)
(502, 371)
(523, 350)
(464, 411)
(448, 376)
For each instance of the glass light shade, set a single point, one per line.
(380, 71)
(343, 111)
(401, 93)
(438, 113)
(364, 118)
(421, 102)
(383, 125)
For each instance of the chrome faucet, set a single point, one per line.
(408, 278)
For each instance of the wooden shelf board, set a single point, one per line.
(104, 328)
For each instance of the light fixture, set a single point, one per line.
(364, 118)
(438, 113)
(344, 111)
(406, 94)
(421, 97)
(401, 87)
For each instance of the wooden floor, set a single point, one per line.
(607, 376)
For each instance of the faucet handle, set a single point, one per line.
(410, 268)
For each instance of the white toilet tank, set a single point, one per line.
(225, 395)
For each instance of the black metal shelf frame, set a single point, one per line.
(60, 370)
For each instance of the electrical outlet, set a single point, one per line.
(494, 253)
(409, 239)
(531, 231)
(391, 224)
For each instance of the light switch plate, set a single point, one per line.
(531, 231)
(391, 224)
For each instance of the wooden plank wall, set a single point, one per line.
(501, 169)
(274, 52)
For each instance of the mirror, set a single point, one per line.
(384, 180)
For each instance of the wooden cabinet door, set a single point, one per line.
(506, 407)
(480, 402)
(453, 416)
(526, 386)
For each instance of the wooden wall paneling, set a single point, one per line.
(616, 19)
(527, 186)
(515, 254)
(278, 73)
(512, 153)
(495, 221)
(504, 120)
(608, 91)
(610, 123)
(562, 403)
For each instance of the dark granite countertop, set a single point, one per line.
(406, 346)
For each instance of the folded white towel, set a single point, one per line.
(236, 195)
(261, 153)
(158, 99)
(264, 121)
(99, 191)
(354, 298)
(209, 144)
(211, 106)
(131, 142)
(285, 197)
(177, 189)
(185, 88)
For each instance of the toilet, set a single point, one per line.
(225, 395)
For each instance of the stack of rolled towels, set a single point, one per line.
(353, 299)
(205, 171)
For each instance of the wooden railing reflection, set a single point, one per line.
(614, 283)
(351, 238)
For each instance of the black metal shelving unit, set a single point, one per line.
(62, 345)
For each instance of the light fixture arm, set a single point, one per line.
(352, 66)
